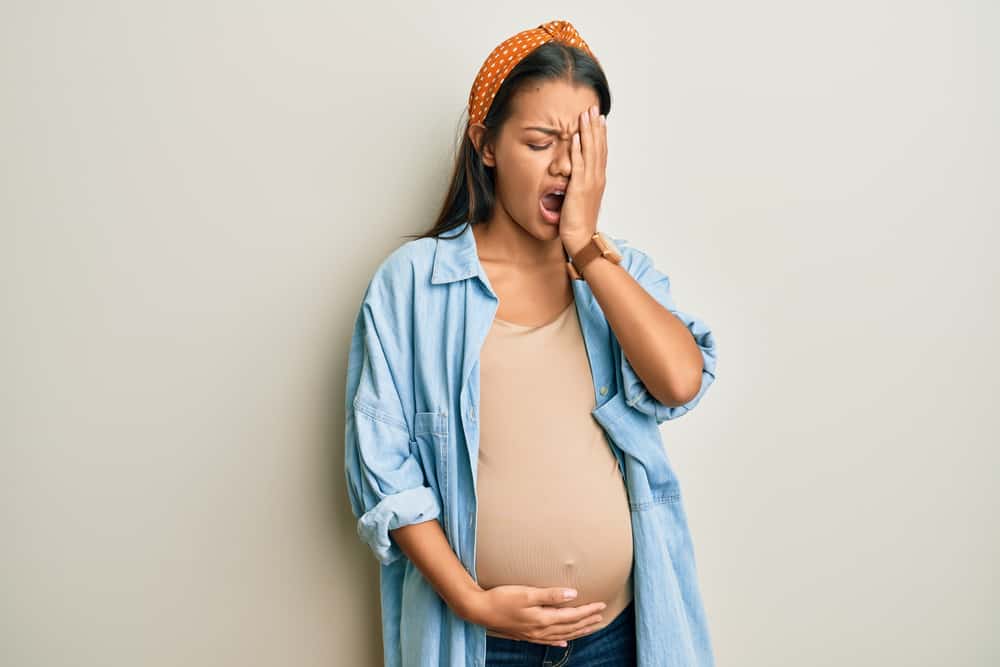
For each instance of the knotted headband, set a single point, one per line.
(508, 54)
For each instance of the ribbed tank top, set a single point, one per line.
(552, 505)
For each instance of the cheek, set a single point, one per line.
(520, 176)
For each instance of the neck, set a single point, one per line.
(500, 239)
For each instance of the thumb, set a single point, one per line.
(557, 595)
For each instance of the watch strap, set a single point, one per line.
(585, 256)
(588, 254)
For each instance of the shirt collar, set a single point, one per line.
(455, 258)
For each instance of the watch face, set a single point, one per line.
(608, 247)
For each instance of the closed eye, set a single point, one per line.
(538, 148)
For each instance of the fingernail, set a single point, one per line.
(604, 120)
(569, 593)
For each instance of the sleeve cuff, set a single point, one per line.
(399, 509)
(638, 397)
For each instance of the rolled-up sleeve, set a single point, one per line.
(658, 285)
(385, 480)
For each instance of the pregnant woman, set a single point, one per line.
(505, 387)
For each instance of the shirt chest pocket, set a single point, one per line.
(430, 433)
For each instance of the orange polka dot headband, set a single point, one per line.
(508, 54)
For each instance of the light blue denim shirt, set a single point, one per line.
(412, 444)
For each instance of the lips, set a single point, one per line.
(551, 201)
(552, 217)
(552, 196)
(555, 187)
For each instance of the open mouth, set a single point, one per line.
(551, 205)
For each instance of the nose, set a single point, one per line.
(562, 163)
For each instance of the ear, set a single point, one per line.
(486, 154)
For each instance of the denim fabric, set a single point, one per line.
(412, 445)
(611, 646)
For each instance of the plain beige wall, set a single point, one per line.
(195, 194)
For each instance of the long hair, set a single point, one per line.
(470, 197)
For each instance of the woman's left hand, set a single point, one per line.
(589, 156)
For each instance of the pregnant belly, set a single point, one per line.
(566, 544)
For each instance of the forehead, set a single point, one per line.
(556, 104)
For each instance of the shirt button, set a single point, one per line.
(604, 390)
(472, 412)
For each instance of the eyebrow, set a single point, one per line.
(545, 130)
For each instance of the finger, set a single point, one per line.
(546, 641)
(603, 140)
(596, 131)
(550, 596)
(581, 631)
(550, 642)
(576, 160)
(561, 630)
(574, 614)
(596, 135)
(587, 140)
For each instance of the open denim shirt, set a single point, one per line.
(412, 444)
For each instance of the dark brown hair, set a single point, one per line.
(470, 197)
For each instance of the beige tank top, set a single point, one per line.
(552, 505)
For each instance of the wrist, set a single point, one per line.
(466, 602)
(576, 244)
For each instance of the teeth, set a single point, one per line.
(558, 192)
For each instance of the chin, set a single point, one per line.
(544, 231)
(546, 228)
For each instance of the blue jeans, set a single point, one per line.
(611, 646)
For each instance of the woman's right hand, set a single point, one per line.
(527, 613)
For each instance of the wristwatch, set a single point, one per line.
(599, 246)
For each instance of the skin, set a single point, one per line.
(525, 261)
(524, 256)
(521, 253)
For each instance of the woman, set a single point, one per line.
(504, 391)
